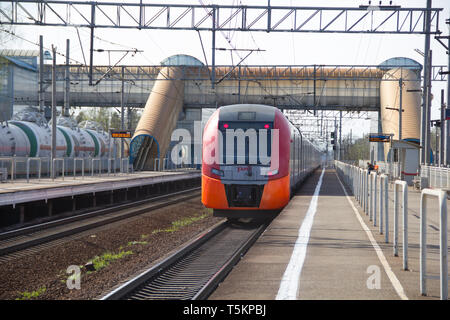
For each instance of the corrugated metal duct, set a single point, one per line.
(152, 136)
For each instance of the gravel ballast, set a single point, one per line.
(113, 254)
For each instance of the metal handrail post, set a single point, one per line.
(359, 185)
(123, 165)
(53, 167)
(361, 189)
(380, 179)
(75, 167)
(28, 167)
(111, 167)
(374, 197)
(99, 166)
(369, 195)
(448, 184)
(18, 159)
(442, 198)
(366, 191)
(404, 186)
(385, 179)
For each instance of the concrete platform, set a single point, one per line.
(325, 247)
(19, 191)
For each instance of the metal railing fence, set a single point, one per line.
(443, 247)
(365, 192)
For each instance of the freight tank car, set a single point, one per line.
(253, 158)
(27, 134)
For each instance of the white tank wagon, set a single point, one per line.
(27, 134)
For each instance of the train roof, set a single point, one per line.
(262, 113)
(233, 112)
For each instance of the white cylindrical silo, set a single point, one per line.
(390, 104)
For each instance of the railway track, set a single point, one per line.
(194, 271)
(31, 239)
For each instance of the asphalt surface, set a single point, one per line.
(345, 255)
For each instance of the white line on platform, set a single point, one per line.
(291, 278)
(387, 268)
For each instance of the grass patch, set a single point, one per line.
(176, 225)
(132, 243)
(105, 259)
(29, 295)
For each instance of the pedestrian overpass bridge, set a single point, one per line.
(320, 87)
(183, 82)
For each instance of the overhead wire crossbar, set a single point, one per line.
(362, 19)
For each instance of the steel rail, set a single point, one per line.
(206, 280)
(184, 195)
(89, 214)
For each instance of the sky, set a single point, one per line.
(279, 48)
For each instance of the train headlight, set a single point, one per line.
(218, 172)
(268, 172)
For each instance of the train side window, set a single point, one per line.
(293, 155)
(299, 152)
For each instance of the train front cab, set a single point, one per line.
(243, 190)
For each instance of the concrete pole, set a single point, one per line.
(53, 147)
(447, 122)
(340, 135)
(442, 130)
(239, 85)
(91, 49)
(213, 58)
(400, 111)
(41, 74)
(129, 118)
(335, 139)
(122, 114)
(424, 123)
(67, 78)
(428, 112)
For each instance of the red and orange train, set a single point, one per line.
(252, 160)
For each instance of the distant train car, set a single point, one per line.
(252, 160)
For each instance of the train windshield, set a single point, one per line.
(248, 143)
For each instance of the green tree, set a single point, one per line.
(358, 149)
(109, 118)
(115, 122)
(82, 116)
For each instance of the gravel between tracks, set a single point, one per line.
(44, 273)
